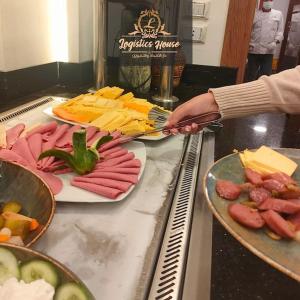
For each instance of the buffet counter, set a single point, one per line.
(137, 248)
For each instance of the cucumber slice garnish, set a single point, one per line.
(71, 291)
(39, 269)
(8, 265)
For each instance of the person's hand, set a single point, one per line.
(196, 106)
(272, 46)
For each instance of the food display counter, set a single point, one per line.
(155, 243)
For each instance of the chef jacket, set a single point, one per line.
(267, 29)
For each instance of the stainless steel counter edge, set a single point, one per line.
(184, 262)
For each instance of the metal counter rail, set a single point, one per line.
(180, 258)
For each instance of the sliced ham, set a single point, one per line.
(42, 129)
(90, 132)
(281, 206)
(245, 215)
(97, 136)
(119, 170)
(278, 224)
(258, 195)
(134, 163)
(53, 182)
(109, 145)
(66, 139)
(35, 145)
(115, 161)
(9, 155)
(120, 185)
(50, 144)
(116, 134)
(117, 154)
(98, 189)
(112, 150)
(253, 177)
(116, 176)
(227, 189)
(13, 134)
(21, 147)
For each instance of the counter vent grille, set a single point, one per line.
(169, 274)
(24, 109)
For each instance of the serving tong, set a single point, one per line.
(208, 119)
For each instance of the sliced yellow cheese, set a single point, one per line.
(266, 161)
(126, 97)
(113, 93)
(102, 91)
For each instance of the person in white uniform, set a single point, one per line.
(267, 32)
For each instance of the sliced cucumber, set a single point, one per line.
(39, 269)
(71, 291)
(8, 265)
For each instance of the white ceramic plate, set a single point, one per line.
(48, 111)
(71, 193)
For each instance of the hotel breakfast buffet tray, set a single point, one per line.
(101, 242)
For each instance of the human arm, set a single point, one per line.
(277, 93)
(279, 34)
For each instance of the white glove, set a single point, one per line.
(272, 46)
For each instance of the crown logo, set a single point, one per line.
(149, 25)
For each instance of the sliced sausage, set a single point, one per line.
(279, 205)
(295, 220)
(278, 224)
(253, 177)
(227, 189)
(273, 185)
(281, 177)
(245, 215)
(258, 195)
(291, 194)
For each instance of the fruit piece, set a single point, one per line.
(71, 290)
(12, 206)
(8, 265)
(16, 240)
(6, 231)
(39, 269)
(18, 227)
(2, 221)
(34, 224)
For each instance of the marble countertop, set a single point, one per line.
(107, 244)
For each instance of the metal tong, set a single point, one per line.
(208, 119)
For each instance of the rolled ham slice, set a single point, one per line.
(51, 144)
(21, 147)
(13, 134)
(116, 176)
(54, 183)
(9, 155)
(119, 170)
(66, 139)
(116, 134)
(119, 185)
(98, 189)
(117, 154)
(134, 163)
(112, 150)
(97, 136)
(42, 129)
(90, 132)
(35, 145)
(117, 160)
(109, 145)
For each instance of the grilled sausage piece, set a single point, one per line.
(227, 189)
(258, 195)
(273, 185)
(281, 206)
(246, 216)
(278, 224)
(281, 177)
(253, 177)
(295, 220)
